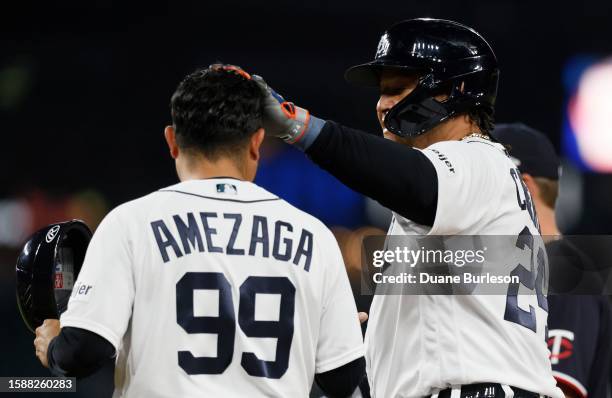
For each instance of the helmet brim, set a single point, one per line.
(368, 74)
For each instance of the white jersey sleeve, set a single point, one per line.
(467, 177)
(101, 300)
(340, 341)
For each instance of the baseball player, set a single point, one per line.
(213, 286)
(440, 172)
(579, 329)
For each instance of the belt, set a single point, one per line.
(485, 390)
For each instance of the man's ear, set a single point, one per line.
(255, 144)
(170, 136)
(534, 190)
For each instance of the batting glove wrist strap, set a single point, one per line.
(287, 121)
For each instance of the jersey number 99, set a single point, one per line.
(224, 325)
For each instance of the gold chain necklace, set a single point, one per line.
(477, 135)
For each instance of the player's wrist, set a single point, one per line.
(311, 131)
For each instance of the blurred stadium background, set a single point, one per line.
(85, 88)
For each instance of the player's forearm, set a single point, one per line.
(400, 178)
(78, 352)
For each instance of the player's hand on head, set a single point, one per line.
(282, 119)
(44, 334)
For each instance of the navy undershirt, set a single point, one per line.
(401, 178)
(78, 353)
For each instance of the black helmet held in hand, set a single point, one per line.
(47, 268)
(449, 58)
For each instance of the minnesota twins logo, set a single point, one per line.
(561, 345)
(52, 234)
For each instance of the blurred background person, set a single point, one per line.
(579, 326)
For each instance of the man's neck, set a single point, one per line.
(199, 168)
(548, 224)
(451, 130)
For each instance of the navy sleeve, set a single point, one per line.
(342, 381)
(579, 330)
(78, 352)
(572, 341)
(399, 177)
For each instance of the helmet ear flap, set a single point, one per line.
(457, 88)
(418, 112)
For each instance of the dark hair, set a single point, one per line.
(215, 111)
(483, 118)
(481, 115)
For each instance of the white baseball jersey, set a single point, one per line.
(216, 288)
(417, 345)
